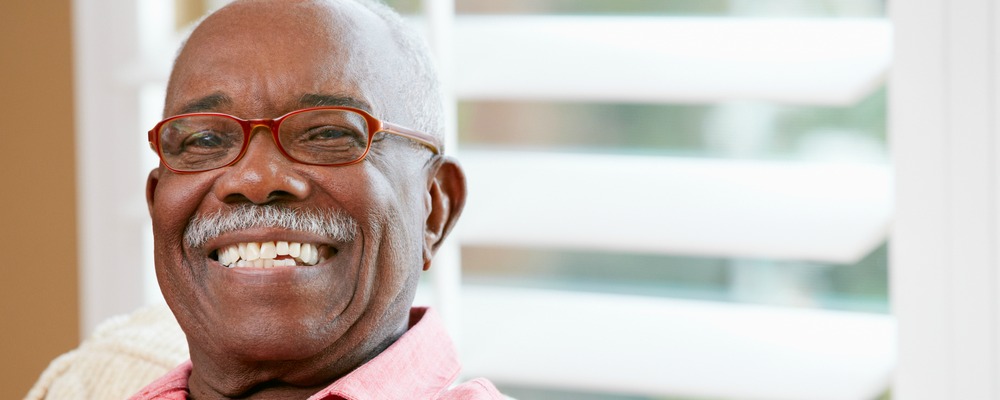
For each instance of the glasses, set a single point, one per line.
(326, 136)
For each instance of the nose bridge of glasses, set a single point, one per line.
(269, 126)
(254, 124)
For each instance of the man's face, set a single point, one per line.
(262, 62)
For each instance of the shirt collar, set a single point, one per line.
(420, 364)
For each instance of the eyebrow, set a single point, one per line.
(326, 100)
(214, 101)
(211, 102)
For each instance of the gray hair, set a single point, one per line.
(422, 95)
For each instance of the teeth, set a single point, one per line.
(313, 255)
(232, 254)
(308, 255)
(304, 253)
(264, 255)
(267, 250)
(253, 251)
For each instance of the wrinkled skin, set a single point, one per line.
(260, 333)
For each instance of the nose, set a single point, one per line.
(262, 176)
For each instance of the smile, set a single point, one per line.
(271, 254)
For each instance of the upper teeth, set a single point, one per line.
(264, 254)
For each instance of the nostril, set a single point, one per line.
(233, 198)
(272, 197)
(278, 195)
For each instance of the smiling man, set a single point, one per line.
(293, 210)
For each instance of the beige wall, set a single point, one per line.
(38, 275)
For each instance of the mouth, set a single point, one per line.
(272, 254)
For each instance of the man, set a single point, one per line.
(293, 212)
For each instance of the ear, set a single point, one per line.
(446, 198)
(151, 181)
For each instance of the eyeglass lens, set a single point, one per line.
(201, 142)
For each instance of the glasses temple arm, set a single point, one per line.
(430, 141)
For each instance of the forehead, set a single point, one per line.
(267, 56)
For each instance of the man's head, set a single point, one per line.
(374, 224)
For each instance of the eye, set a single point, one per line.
(327, 133)
(330, 138)
(205, 139)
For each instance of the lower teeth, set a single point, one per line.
(264, 263)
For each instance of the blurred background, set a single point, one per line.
(669, 199)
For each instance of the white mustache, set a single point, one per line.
(333, 223)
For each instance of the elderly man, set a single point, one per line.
(293, 210)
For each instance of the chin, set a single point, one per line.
(261, 340)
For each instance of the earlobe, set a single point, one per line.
(446, 194)
(151, 181)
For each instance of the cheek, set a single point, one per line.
(176, 200)
(387, 206)
(397, 240)
(400, 209)
(384, 201)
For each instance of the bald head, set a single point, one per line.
(388, 56)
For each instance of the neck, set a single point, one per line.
(229, 379)
(200, 390)
(216, 376)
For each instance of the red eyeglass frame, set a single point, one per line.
(375, 125)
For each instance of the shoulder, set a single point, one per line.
(476, 389)
(124, 354)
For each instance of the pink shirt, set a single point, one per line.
(421, 365)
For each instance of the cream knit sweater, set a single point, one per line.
(124, 355)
